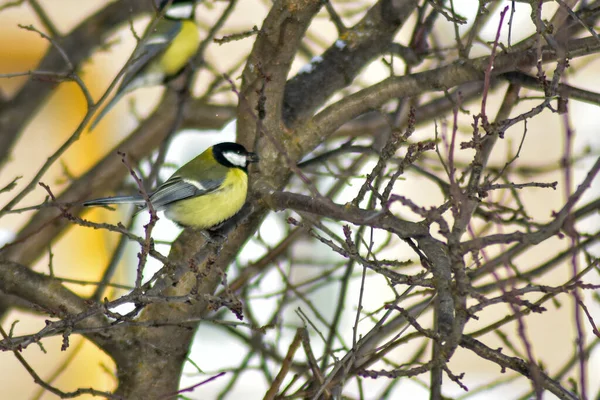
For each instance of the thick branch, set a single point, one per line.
(341, 63)
(443, 78)
(47, 294)
(325, 208)
(161, 352)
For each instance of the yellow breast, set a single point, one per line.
(181, 49)
(211, 209)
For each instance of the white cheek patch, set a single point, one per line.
(180, 11)
(238, 160)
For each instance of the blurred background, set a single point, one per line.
(81, 254)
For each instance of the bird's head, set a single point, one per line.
(178, 9)
(233, 155)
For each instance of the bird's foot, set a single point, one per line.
(213, 237)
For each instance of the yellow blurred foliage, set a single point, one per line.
(82, 253)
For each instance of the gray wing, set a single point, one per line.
(177, 188)
(153, 45)
(135, 76)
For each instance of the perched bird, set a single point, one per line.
(204, 192)
(162, 53)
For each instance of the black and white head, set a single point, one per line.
(178, 9)
(233, 155)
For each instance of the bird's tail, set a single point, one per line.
(107, 108)
(137, 200)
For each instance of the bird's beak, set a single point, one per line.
(253, 157)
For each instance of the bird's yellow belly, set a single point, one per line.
(211, 209)
(182, 48)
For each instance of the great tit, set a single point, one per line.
(204, 192)
(163, 53)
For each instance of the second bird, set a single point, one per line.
(163, 52)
